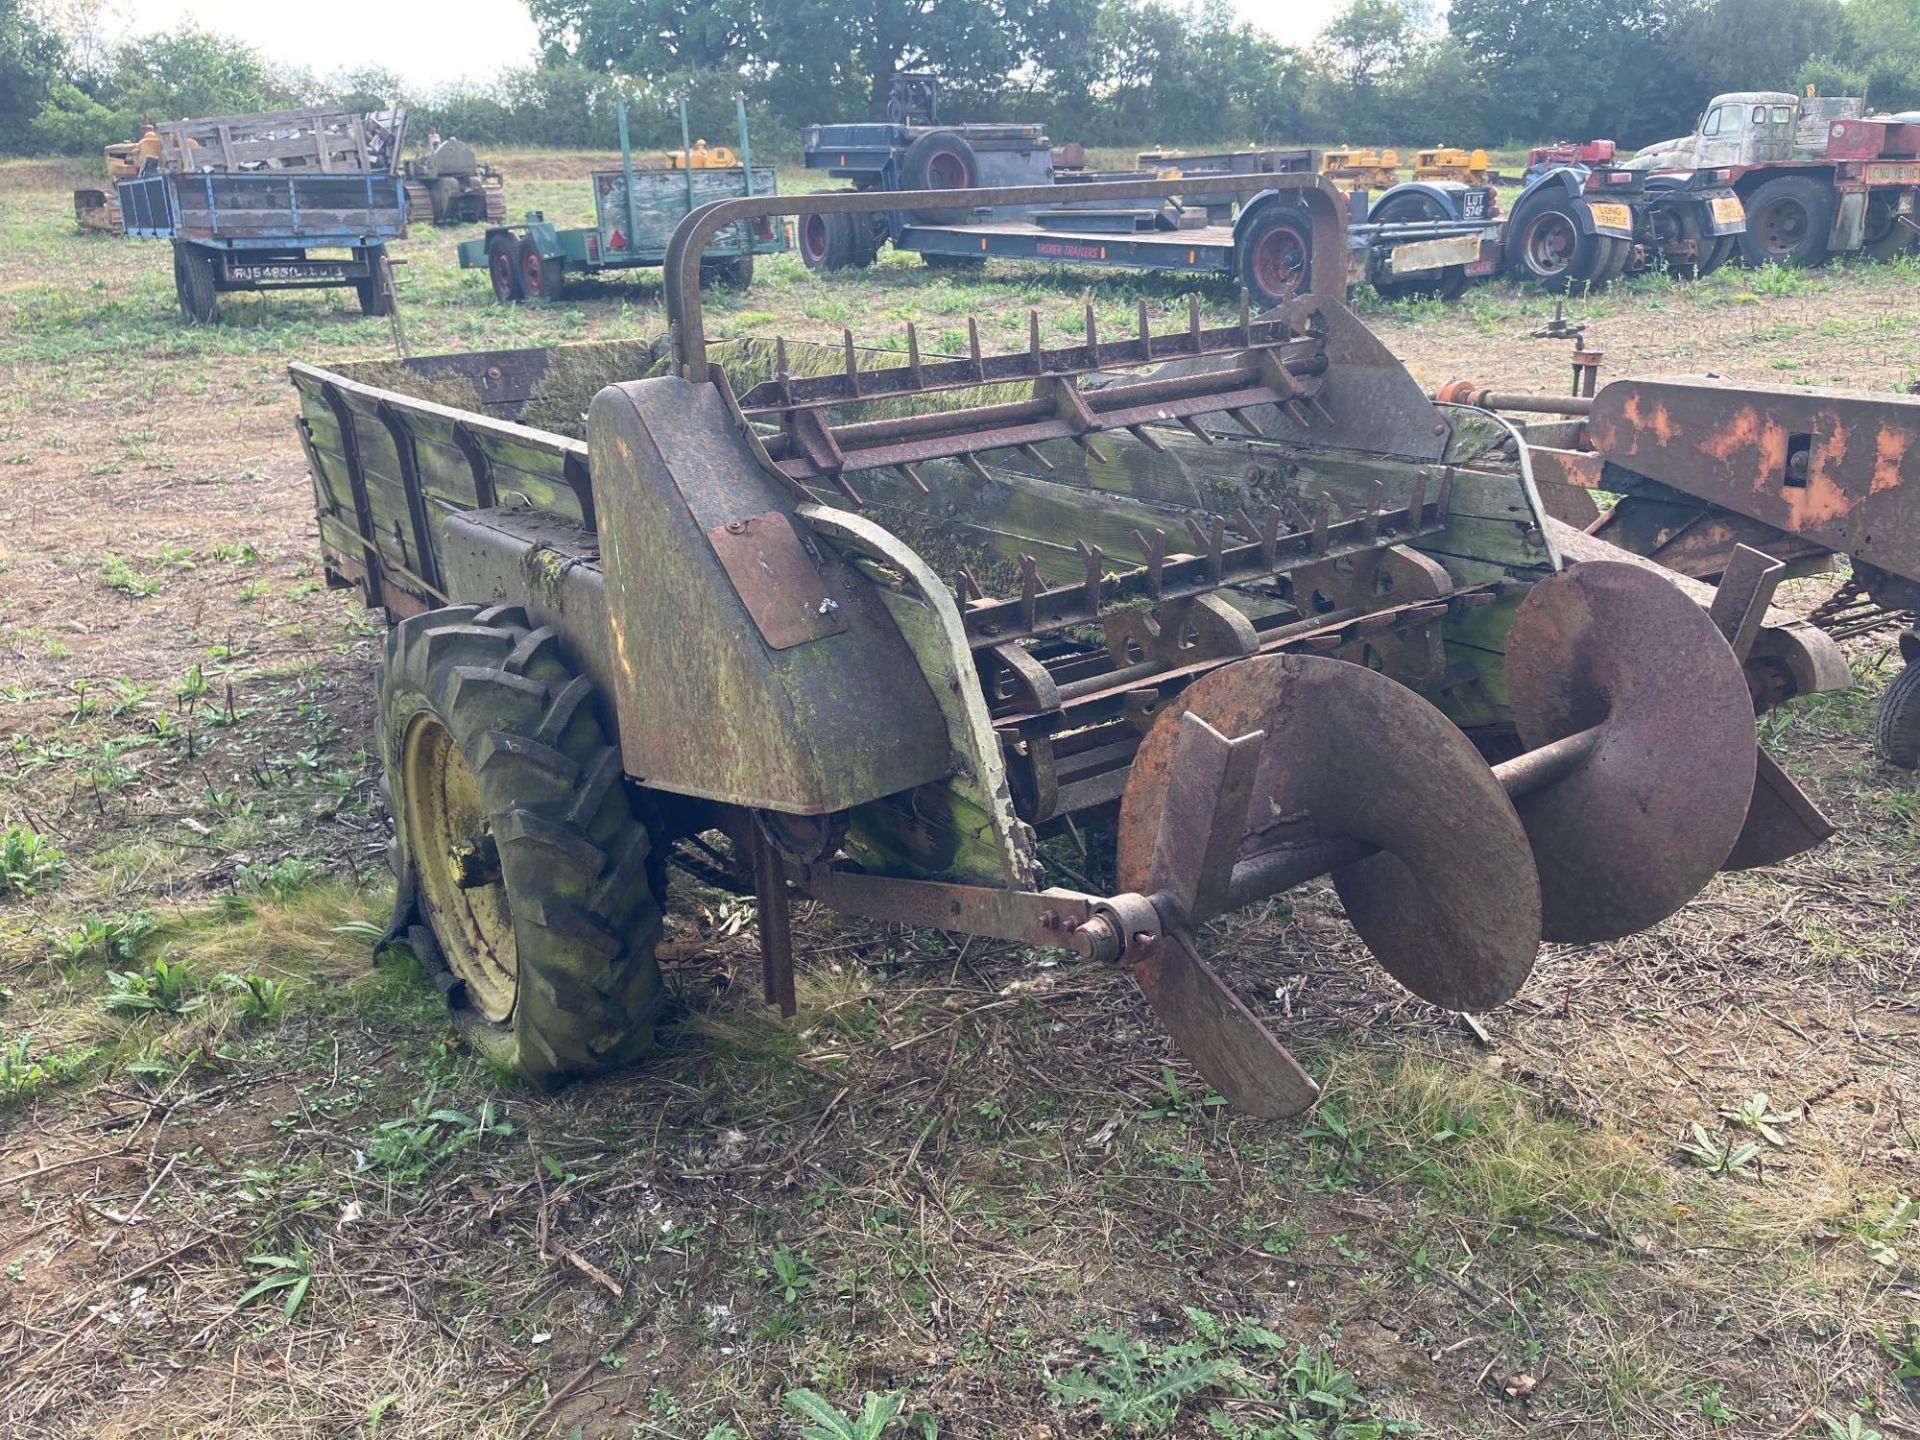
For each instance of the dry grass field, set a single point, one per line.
(250, 1185)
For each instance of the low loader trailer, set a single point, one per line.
(865, 626)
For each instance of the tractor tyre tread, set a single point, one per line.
(1896, 731)
(578, 859)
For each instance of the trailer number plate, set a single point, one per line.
(1436, 254)
(1612, 217)
(1728, 210)
(776, 580)
(304, 270)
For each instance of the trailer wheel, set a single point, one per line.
(828, 242)
(737, 272)
(532, 868)
(1896, 731)
(193, 282)
(939, 160)
(542, 277)
(1548, 248)
(1276, 255)
(1619, 255)
(1447, 284)
(1788, 221)
(503, 268)
(376, 291)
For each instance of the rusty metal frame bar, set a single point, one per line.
(1323, 204)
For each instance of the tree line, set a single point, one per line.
(1104, 72)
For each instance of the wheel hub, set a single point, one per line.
(457, 868)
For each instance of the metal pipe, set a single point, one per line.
(686, 153)
(1277, 870)
(1481, 399)
(1538, 769)
(626, 172)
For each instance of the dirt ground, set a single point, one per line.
(966, 1177)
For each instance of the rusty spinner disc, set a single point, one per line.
(1633, 834)
(1450, 906)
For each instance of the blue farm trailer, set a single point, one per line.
(246, 199)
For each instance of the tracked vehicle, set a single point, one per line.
(864, 626)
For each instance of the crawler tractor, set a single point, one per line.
(450, 186)
(864, 626)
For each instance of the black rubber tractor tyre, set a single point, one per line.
(1896, 731)
(376, 293)
(830, 242)
(737, 272)
(1619, 256)
(1788, 221)
(940, 160)
(503, 268)
(1447, 284)
(519, 846)
(1546, 245)
(193, 282)
(1276, 255)
(542, 277)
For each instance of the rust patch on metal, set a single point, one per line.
(1889, 457)
(776, 580)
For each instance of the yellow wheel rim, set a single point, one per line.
(445, 819)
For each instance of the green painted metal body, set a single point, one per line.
(470, 479)
(637, 208)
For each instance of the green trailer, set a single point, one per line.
(635, 211)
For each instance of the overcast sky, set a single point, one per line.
(441, 40)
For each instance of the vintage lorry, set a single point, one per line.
(867, 626)
(635, 211)
(1818, 175)
(246, 199)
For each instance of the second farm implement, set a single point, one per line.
(861, 626)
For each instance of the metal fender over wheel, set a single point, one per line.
(1545, 244)
(541, 277)
(193, 282)
(1276, 255)
(1896, 731)
(939, 160)
(519, 845)
(503, 268)
(1788, 221)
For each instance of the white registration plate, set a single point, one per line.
(1435, 254)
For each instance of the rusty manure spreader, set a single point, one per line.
(866, 626)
